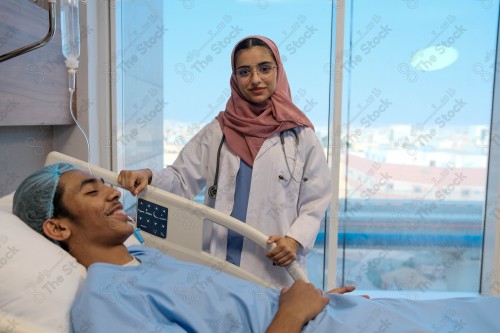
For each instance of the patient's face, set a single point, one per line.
(99, 216)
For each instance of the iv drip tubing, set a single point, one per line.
(81, 129)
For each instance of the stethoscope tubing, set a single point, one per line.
(212, 190)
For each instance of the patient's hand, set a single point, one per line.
(285, 251)
(135, 180)
(297, 305)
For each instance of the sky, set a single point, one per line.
(460, 39)
(413, 62)
(301, 31)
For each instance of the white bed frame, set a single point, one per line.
(185, 226)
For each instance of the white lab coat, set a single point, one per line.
(275, 207)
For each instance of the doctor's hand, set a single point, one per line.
(344, 290)
(135, 180)
(285, 251)
(341, 290)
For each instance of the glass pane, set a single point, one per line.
(418, 102)
(174, 70)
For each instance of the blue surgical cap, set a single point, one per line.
(34, 198)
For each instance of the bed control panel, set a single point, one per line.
(152, 218)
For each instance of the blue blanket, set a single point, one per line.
(166, 295)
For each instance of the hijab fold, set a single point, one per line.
(246, 126)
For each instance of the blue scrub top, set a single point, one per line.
(241, 194)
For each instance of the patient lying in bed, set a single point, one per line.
(142, 290)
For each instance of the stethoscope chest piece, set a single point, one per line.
(212, 191)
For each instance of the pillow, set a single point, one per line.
(6, 202)
(38, 280)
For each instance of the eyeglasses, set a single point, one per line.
(264, 70)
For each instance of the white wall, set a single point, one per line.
(23, 149)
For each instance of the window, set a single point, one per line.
(173, 62)
(418, 98)
(415, 216)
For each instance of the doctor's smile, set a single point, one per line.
(257, 91)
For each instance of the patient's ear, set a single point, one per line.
(56, 229)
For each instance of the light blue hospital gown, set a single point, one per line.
(166, 295)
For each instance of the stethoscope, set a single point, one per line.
(212, 190)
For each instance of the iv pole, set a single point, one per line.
(33, 46)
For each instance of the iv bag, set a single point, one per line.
(70, 29)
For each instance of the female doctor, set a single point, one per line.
(258, 161)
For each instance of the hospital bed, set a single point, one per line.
(36, 275)
(179, 231)
(39, 281)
